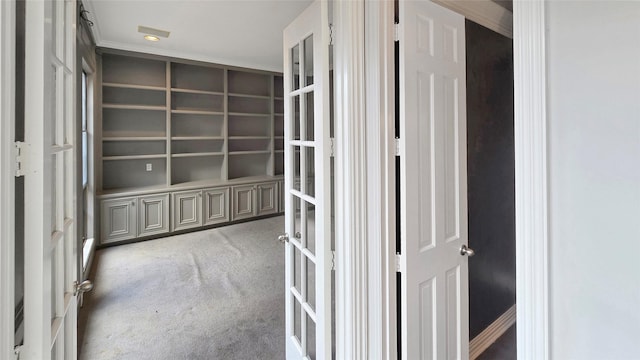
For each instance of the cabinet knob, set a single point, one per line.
(133, 203)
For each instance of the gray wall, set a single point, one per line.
(490, 168)
(593, 108)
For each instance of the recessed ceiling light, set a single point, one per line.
(151, 38)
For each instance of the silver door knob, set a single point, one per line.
(464, 250)
(284, 238)
(83, 287)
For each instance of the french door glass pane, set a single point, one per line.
(296, 118)
(297, 266)
(311, 338)
(308, 60)
(310, 237)
(309, 116)
(310, 273)
(297, 322)
(297, 219)
(310, 170)
(295, 67)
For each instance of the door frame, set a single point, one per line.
(7, 182)
(365, 261)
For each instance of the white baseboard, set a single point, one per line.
(489, 335)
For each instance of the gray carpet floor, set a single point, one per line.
(213, 294)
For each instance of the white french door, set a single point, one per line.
(50, 181)
(435, 314)
(308, 253)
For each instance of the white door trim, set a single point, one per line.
(350, 181)
(7, 183)
(381, 184)
(531, 173)
(530, 126)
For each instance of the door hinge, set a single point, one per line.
(16, 351)
(398, 262)
(397, 146)
(20, 158)
(332, 147)
(330, 34)
(333, 260)
(396, 32)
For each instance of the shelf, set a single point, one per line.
(249, 114)
(134, 138)
(249, 137)
(134, 107)
(197, 154)
(278, 98)
(133, 86)
(278, 137)
(278, 114)
(133, 157)
(197, 138)
(122, 69)
(197, 112)
(252, 152)
(279, 151)
(192, 91)
(196, 77)
(250, 96)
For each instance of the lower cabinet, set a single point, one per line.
(187, 210)
(216, 205)
(155, 214)
(118, 219)
(131, 217)
(267, 198)
(254, 200)
(244, 202)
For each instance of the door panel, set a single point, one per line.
(50, 301)
(434, 295)
(307, 194)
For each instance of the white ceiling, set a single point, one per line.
(246, 33)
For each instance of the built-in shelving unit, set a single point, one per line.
(172, 126)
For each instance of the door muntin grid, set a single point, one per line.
(302, 148)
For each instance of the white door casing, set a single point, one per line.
(7, 181)
(51, 266)
(434, 293)
(307, 196)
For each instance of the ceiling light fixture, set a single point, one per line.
(151, 38)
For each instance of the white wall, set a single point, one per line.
(593, 59)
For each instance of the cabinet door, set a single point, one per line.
(267, 198)
(243, 202)
(153, 214)
(118, 220)
(216, 205)
(187, 209)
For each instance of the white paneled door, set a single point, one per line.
(51, 267)
(307, 188)
(434, 315)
